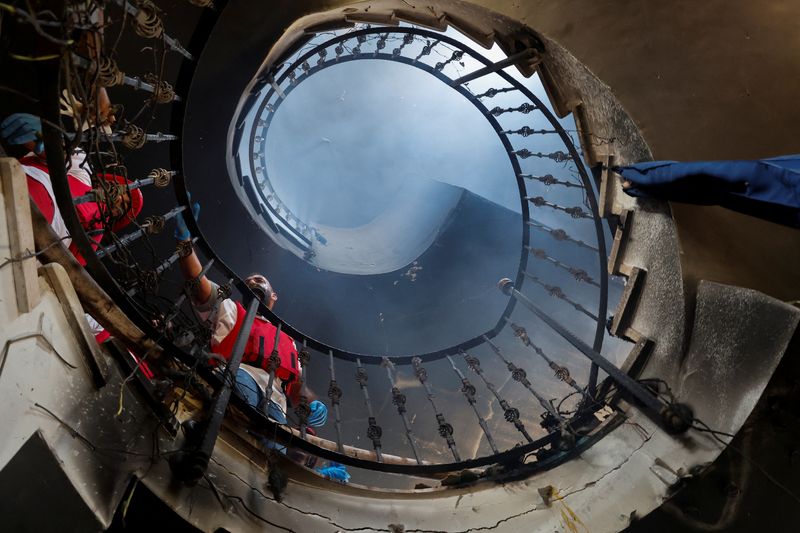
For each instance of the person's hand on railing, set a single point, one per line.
(335, 472)
(318, 415)
(182, 232)
(23, 129)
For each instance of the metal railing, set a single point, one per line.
(132, 276)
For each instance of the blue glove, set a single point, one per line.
(182, 233)
(336, 472)
(21, 128)
(319, 414)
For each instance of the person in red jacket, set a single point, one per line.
(23, 129)
(225, 316)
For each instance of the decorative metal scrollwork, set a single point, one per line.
(334, 391)
(147, 23)
(399, 400)
(154, 224)
(133, 137)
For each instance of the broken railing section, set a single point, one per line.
(674, 417)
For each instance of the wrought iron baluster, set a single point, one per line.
(654, 407)
(455, 56)
(131, 136)
(523, 108)
(520, 376)
(557, 292)
(303, 410)
(445, 429)
(109, 75)
(578, 273)
(374, 431)
(469, 393)
(558, 156)
(511, 414)
(159, 177)
(549, 179)
(526, 131)
(408, 38)
(427, 49)
(561, 372)
(151, 226)
(322, 54)
(273, 362)
(381, 43)
(574, 212)
(399, 400)
(491, 93)
(335, 394)
(171, 260)
(559, 234)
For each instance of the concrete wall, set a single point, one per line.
(702, 80)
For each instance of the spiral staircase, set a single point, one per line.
(609, 366)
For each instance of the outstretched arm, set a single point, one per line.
(191, 268)
(190, 265)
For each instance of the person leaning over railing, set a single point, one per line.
(23, 130)
(225, 317)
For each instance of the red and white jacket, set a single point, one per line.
(226, 318)
(40, 189)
